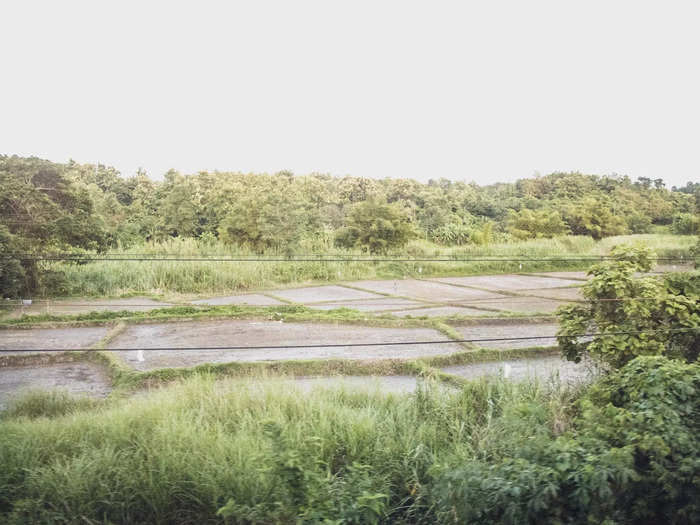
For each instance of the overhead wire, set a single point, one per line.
(354, 345)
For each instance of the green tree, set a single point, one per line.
(376, 226)
(533, 224)
(12, 275)
(595, 218)
(686, 224)
(41, 210)
(263, 220)
(634, 315)
(179, 206)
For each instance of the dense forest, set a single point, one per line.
(46, 206)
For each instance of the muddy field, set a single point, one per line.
(267, 334)
(508, 282)
(51, 338)
(425, 290)
(542, 368)
(448, 297)
(318, 294)
(512, 329)
(76, 378)
(252, 299)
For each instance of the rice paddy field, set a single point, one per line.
(191, 400)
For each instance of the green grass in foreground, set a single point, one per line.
(621, 450)
(163, 278)
(262, 450)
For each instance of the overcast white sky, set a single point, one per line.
(486, 91)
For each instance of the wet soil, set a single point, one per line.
(51, 338)
(85, 306)
(512, 329)
(318, 294)
(425, 290)
(252, 299)
(507, 282)
(77, 378)
(522, 369)
(270, 333)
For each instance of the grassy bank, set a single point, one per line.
(261, 451)
(124, 278)
(622, 450)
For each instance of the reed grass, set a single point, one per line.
(168, 278)
(265, 450)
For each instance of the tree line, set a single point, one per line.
(46, 205)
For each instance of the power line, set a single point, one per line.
(354, 345)
(316, 259)
(466, 303)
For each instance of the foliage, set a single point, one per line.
(686, 224)
(49, 206)
(634, 315)
(593, 217)
(377, 227)
(270, 220)
(305, 491)
(259, 451)
(38, 403)
(12, 274)
(531, 224)
(252, 451)
(41, 209)
(631, 458)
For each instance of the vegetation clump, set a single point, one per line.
(632, 315)
(630, 457)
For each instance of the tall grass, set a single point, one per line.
(203, 277)
(261, 450)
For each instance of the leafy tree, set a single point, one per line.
(592, 217)
(686, 224)
(271, 219)
(12, 275)
(376, 226)
(638, 222)
(532, 224)
(659, 316)
(179, 206)
(41, 210)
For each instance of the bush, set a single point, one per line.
(632, 458)
(685, 224)
(635, 316)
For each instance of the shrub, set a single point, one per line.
(632, 458)
(686, 224)
(634, 316)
